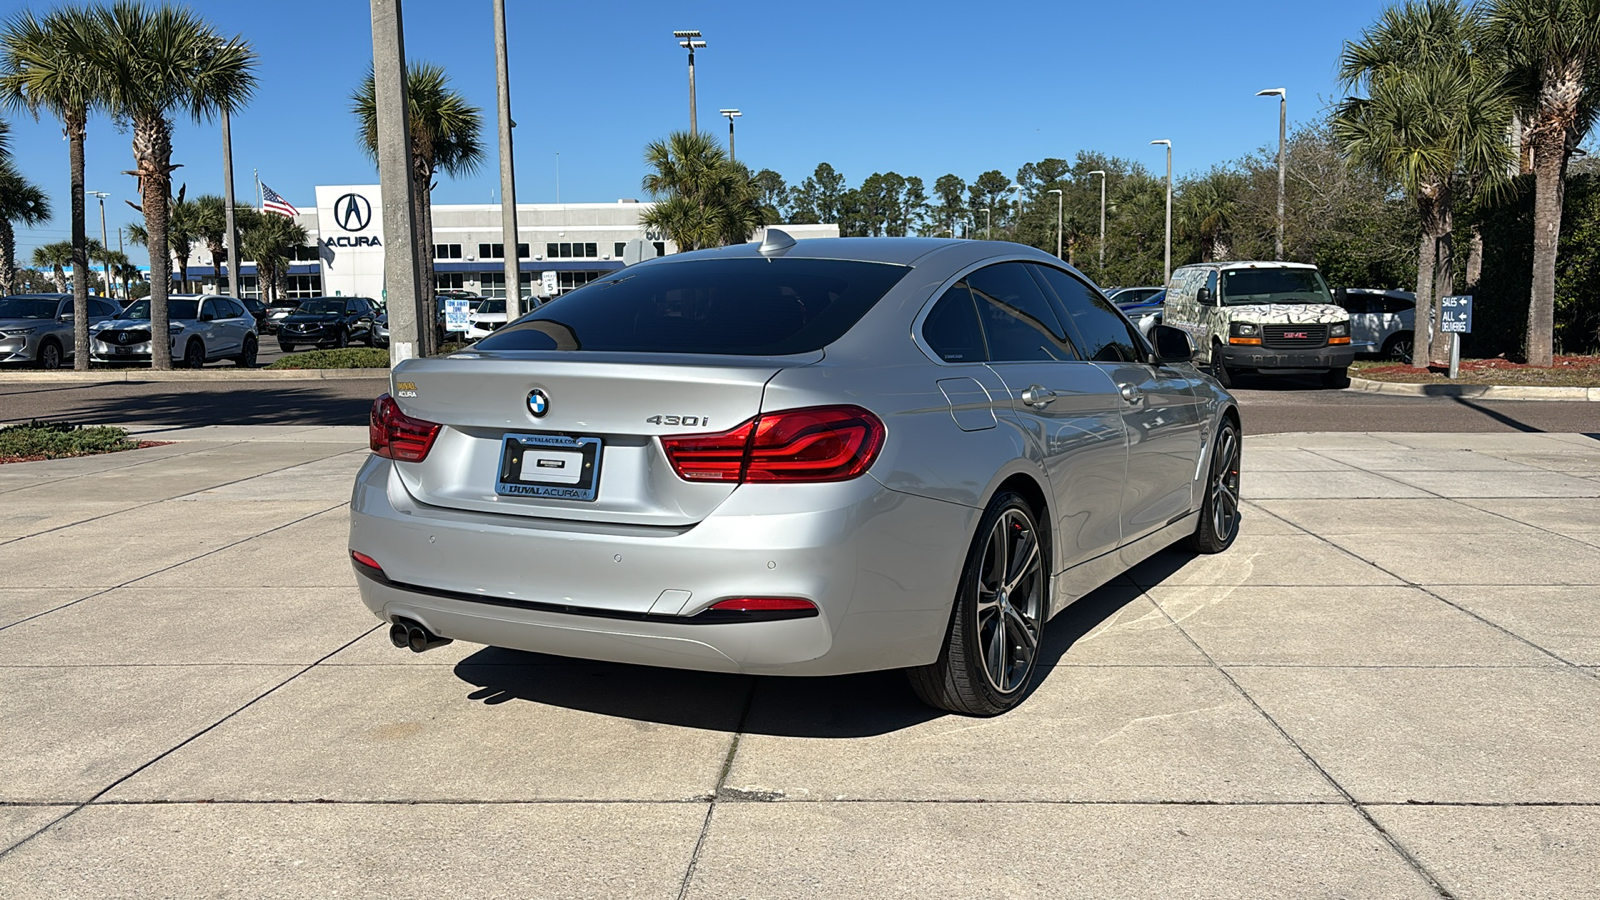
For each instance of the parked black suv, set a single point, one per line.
(327, 322)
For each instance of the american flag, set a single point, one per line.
(272, 201)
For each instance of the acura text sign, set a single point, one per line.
(1455, 314)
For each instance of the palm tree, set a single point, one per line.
(1434, 120)
(705, 199)
(183, 226)
(1206, 210)
(211, 226)
(269, 242)
(445, 136)
(156, 62)
(1553, 49)
(20, 201)
(56, 257)
(114, 261)
(46, 65)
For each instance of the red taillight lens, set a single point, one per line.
(764, 604)
(395, 435)
(822, 443)
(365, 561)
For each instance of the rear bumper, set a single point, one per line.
(1320, 359)
(881, 567)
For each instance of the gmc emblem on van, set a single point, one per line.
(1295, 335)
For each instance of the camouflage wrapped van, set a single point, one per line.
(1275, 318)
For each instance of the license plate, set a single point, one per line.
(550, 466)
(121, 351)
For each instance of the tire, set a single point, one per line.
(342, 340)
(988, 657)
(194, 354)
(1336, 378)
(247, 354)
(1219, 369)
(286, 348)
(1219, 512)
(50, 355)
(1399, 346)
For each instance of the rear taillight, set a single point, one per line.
(395, 435)
(821, 443)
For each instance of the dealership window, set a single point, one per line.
(446, 251)
(493, 284)
(447, 281)
(304, 286)
(498, 251)
(250, 286)
(619, 246)
(575, 251)
(304, 254)
(566, 281)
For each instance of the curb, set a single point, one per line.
(113, 376)
(1477, 391)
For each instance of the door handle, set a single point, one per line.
(1130, 393)
(1038, 396)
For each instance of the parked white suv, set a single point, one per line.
(1381, 322)
(1275, 318)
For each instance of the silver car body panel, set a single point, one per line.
(622, 577)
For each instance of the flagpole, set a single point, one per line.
(260, 204)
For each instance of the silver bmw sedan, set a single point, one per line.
(794, 458)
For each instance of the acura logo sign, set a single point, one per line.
(353, 212)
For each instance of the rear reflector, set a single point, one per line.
(361, 559)
(793, 446)
(764, 604)
(395, 435)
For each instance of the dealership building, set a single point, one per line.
(561, 246)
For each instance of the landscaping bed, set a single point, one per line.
(59, 440)
(1568, 371)
(347, 358)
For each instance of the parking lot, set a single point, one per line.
(1389, 687)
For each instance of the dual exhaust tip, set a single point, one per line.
(405, 633)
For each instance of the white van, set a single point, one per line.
(1275, 318)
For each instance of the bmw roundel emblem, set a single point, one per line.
(538, 403)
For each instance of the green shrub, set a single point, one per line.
(348, 358)
(53, 440)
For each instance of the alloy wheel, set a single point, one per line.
(1225, 486)
(1010, 607)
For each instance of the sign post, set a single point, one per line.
(1455, 319)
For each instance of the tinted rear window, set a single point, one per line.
(741, 307)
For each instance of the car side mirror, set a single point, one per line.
(1172, 344)
(1203, 296)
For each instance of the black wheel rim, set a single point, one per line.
(1401, 351)
(1225, 485)
(51, 357)
(1010, 608)
(197, 356)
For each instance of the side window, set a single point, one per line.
(238, 310)
(1104, 334)
(209, 308)
(951, 328)
(1016, 317)
(99, 307)
(1397, 305)
(1211, 286)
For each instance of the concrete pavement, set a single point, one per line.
(1389, 687)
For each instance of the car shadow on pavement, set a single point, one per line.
(842, 706)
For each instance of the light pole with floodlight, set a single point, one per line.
(1283, 127)
(731, 114)
(1016, 223)
(1060, 199)
(1168, 263)
(1102, 174)
(105, 263)
(988, 223)
(687, 40)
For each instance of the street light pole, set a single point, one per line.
(1016, 222)
(688, 42)
(731, 114)
(410, 313)
(988, 223)
(105, 263)
(1060, 199)
(1168, 277)
(508, 176)
(227, 207)
(1102, 175)
(1283, 129)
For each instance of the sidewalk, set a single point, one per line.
(1388, 688)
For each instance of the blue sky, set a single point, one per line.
(918, 88)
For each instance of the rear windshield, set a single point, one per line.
(740, 307)
(1249, 286)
